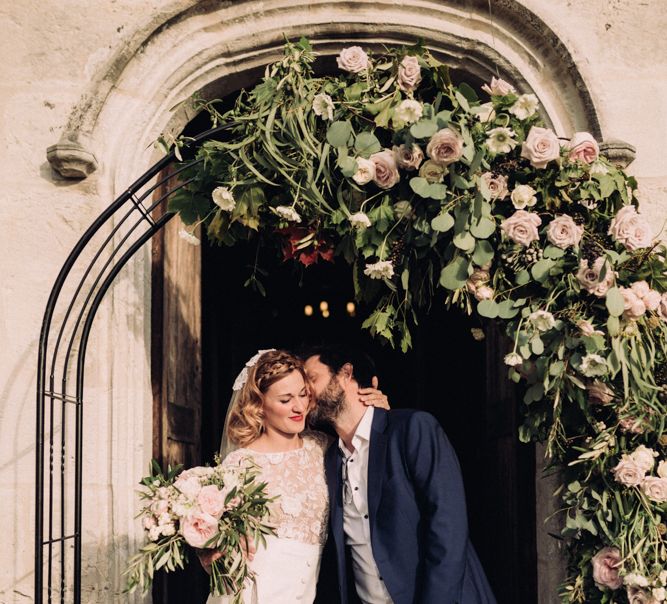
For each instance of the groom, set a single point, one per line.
(398, 517)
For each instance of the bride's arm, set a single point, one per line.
(373, 397)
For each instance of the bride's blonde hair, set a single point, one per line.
(246, 420)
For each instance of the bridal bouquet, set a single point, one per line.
(215, 507)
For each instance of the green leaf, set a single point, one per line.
(536, 345)
(615, 302)
(455, 274)
(540, 270)
(442, 222)
(484, 228)
(464, 241)
(347, 165)
(420, 186)
(553, 252)
(506, 309)
(424, 128)
(522, 277)
(437, 191)
(488, 309)
(462, 101)
(339, 134)
(613, 326)
(483, 253)
(367, 143)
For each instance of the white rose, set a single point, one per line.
(353, 59)
(288, 213)
(523, 196)
(189, 486)
(383, 269)
(365, 171)
(360, 221)
(593, 365)
(644, 457)
(513, 359)
(500, 140)
(323, 106)
(542, 320)
(223, 198)
(498, 87)
(540, 147)
(525, 106)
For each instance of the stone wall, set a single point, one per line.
(111, 68)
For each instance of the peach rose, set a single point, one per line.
(198, 528)
(521, 227)
(564, 232)
(589, 277)
(583, 147)
(408, 158)
(211, 500)
(409, 74)
(655, 488)
(540, 147)
(628, 472)
(386, 171)
(353, 59)
(445, 147)
(630, 229)
(605, 568)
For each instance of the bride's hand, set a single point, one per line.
(207, 557)
(373, 397)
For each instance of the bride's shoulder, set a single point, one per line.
(318, 439)
(238, 457)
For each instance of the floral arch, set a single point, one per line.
(431, 192)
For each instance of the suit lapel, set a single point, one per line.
(376, 461)
(333, 470)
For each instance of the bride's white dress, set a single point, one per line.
(286, 570)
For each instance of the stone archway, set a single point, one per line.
(214, 48)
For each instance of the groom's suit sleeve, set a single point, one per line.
(436, 476)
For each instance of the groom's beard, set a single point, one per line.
(330, 403)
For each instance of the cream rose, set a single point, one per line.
(628, 472)
(353, 59)
(630, 229)
(605, 568)
(652, 300)
(365, 171)
(583, 147)
(386, 171)
(497, 185)
(408, 158)
(521, 227)
(199, 528)
(432, 172)
(498, 87)
(655, 488)
(523, 196)
(409, 73)
(445, 147)
(589, 277)
(189, 486)
(540, 147)
(563, 232)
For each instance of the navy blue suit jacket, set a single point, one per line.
(417, 514)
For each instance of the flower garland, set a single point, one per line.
(428, 192)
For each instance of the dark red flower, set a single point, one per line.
(305, 246)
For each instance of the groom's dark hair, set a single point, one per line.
(334, 357)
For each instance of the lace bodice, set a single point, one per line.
(297, 478)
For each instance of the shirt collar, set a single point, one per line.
(362, 434)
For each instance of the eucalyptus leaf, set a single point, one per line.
(488, 309)
(367, 143)
(483, 253)
(615, 302)
(442, 222)
(540, 270)
(424, 128)
(464, 241)
(339, 134)
(455, 274)
(483, 228)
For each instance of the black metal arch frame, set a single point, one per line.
(124, 227)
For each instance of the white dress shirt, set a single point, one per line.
(356, 525)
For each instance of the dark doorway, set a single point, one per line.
(448, 373)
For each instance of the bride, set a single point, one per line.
(266, 423)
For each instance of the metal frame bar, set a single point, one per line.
(130, 225)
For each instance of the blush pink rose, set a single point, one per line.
(583, 147)
(497, 185)
(540, 147)
(484, 292)
(521, 227)
(605, 568)
(634, 305)
(408, 158)
(589, 277)
(652, 300)
(386, 170)
(563, 232)
(628, 472)
(409, 74)
(211, 500)
(631, 425)
(445, 147)
(655, 488)
(630, 229)
(352, 59)
(198, 528)
(662, 307)
(498, 87)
